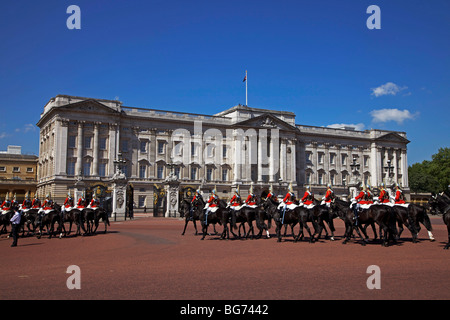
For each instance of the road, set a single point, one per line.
(147, 258)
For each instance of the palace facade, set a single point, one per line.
(81, 138)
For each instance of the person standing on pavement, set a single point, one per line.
(15, 222)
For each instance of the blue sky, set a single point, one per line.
(315, 58)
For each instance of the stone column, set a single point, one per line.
(404, 167)
(283, 160)
(95, 149)
(79, 163)
(293, 163)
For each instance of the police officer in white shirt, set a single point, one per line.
(15, 222)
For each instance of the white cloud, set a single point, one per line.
(388, 88)
(27, 128)
(358, 127)
(3, 135)
(399, 116)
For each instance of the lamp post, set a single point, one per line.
(389, 169)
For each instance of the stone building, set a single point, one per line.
(18, 173)
(80, 139)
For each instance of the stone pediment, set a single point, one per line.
(90, 105)
(392, 137)
(266, 121)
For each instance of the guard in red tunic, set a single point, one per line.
(213, 202)
(308, 197)
(81, 204)
(26, 204)
(36, 203)
(271, 195)
(236, 200)
(197, 196)
(68, 203)
(95, 203)
(329, 196)
(361, 198)
(384, 195)
(6, 205)
(48, 203)
(399, 196)
(251, 199)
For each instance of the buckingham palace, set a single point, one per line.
(82, 139)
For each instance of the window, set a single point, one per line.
(209, 174)
(16, 169)
(142, 170)
(160, 172)
(30, 170)
(177, 172)
(87, 168)
(320, 158)
(332, 158)
(366, 161)
(71, 168)
(87, 142)
(102, 169)
(308, 157)
(2, 169)
(193, 173)
(160, 147)
(143, 146)
(224, 174)
(141, 202)
(102, 143)
(321, 178)
(124, 145)
(224, 151)
(332, 179)
(72, 141)
(343, 159)
(308, 178)
(193, 149)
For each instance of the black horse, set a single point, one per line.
(290, 217)
(440, 203)
(382, 215)
(221, 215)
(48, 221)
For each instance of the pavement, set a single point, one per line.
(148, 259)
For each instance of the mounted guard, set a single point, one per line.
(399, 196)
(251, 199)
(236, 201)
(26, 204)
(6, 205)
(308, 198)
(95, 203)
(36, 203)
(81, 204)
(383, 198)
(329, 196)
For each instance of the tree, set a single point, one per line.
(431, 176)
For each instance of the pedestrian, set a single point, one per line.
(15, 222)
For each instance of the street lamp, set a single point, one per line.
(389, 168)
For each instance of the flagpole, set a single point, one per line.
(246, 80)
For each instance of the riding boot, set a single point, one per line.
(284, 212)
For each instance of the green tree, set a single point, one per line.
(431, 176)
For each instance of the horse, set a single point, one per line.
(404, 217)
(290, 217)
(103, 213)
(247, 214)
(322, 213)
(48, 220)
(191, 212)
(29, 218)
(220, 215)
(5, 218)
(441, 204)
(380, 214)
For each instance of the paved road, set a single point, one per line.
(148, 258)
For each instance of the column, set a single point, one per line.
(95, 150)
(283, 160)
(237, 158)
(112, 147)
(79, 163)
(404, 167)
(395, 164)
(260, 150)
(293, 163)
(373, 164)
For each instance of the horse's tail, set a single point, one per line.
(426, 219)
